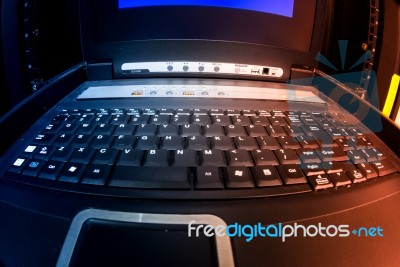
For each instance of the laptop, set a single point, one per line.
(202, 133)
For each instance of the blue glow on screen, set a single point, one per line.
(277, 7)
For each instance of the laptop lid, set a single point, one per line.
(259, 39)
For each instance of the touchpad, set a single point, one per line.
(109, 238)
(107, 243)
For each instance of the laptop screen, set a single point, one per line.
(282, 8)
(287, 24)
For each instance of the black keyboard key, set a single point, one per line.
(102, 119)
(288, 142)
(146, 129)
(140, 119)
(105, 156)
(157, 157)
(368, 154)
(222, 120)
(307, 142)
(340, 179)
(355, 156)
(320, 182)
(249, 112)
(344, 144)
(214, 157)
(367, 170)
(197, 143)
(130, 157)
(235, 130)
(245, 142)
(208, 178)
(222, 142)
(191, 130)
(124, 141)
(308, 120)
(294, 121)
(308, 155)
(311, 169)
(159, 119)
(62, 140)
(50, 170)
(213, 130)
(166, 111)
(293, 130)
(71, 172)
(241, 120)
(332, 154)
(180, 119)
(30, 151)
(68, 128)
(232, 112)
(102, 141)
(256, 130)
(384, 167)
(52, 128)
(200, 111)
(216, 112)
(378, 153)
(43, 139)
(124, 129)
(18, 165)
(33, 167)
(151, 177)
(239, 157)
(263, 157)
(172, 142)
(82, 155)
(266, 176)
(276, 130)
(168, 130)
(85, 119)
(183, 111)
(200, 119)
(364, 142)
(44, 152)
(104, 129)
(96, 174)
(279, 121)
(287, 156)
(260, 120)
(61, 153)
(334, 166)
(238, 177)
(356, 176)
(186, 158)
(119, 119)
(334, 133)
(291, 174)
(117, 111)
(268, 142)
(81, 140)
(147, 142)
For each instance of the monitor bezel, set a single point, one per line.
(194, 50)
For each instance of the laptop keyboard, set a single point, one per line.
(199, 150)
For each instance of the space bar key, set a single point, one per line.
(150, 177)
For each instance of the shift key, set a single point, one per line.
(151, 177)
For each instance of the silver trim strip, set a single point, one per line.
(223, 243)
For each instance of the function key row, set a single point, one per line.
(183, 111)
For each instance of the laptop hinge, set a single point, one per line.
(100, 70)
(300, 72)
